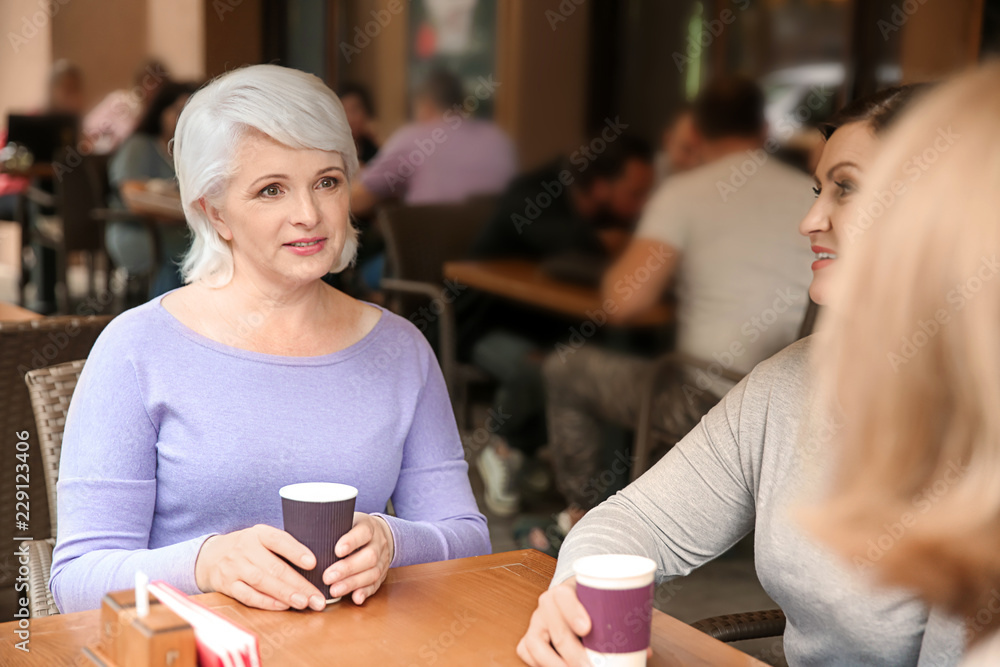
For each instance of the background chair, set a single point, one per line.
(419, 240)
(647, 433)
(51, 390)
(25, 346)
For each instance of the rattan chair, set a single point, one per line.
(51, 390)
(25, 346)
(419, 240)
(749, 625)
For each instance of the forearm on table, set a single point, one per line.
(613, 527)
(80, 581)
(430, 541)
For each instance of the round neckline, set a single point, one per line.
(263, 357)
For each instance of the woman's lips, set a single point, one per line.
(824, 257)
(308, 248)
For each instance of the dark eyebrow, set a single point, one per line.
(845, 163)
(285, 176)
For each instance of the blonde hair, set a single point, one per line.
(912, 356)
(293, 108)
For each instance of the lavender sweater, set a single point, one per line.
(172, 437)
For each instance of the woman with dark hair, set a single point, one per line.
(360, 111)
(142, 161)
(744, 469)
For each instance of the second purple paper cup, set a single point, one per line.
(617, 592)
(318, 514)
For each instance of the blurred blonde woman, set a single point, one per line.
(915, 365)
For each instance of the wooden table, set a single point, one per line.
(468, 612)
(164, 207)
(11, 313)
(36, 170)
(524, 281)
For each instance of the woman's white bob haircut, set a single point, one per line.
(293, 108)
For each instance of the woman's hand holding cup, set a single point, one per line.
(245, 565)
(365, 553)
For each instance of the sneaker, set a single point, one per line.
(499, 472)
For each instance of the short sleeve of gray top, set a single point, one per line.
(743, 468)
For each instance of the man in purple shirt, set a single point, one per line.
(444, 156)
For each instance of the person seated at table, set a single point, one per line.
(65, 95)
(573, 205)
(115, 117)
(444, 156)
(196, 407)
(912, 488)
(360, 112)
(741, 469)
(723, 235)
(143, 157)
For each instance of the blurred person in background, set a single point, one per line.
(680, 149)
(911, 489)
(144, 158)
(360, 110)
(724, 235)
(570, 206)
(444, 156)
(115, 118)
(745, 467)
(66, 94)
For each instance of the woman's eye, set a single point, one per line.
(328, 182)
(817, 190)
(271, 191)
(846, 187)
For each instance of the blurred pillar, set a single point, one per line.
(938, 37)
(24, 67)
(542, 65)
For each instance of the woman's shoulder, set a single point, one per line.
(133, 328)
(397, 330)
(780, 383)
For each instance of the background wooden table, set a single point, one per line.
(524, 281)
(164, 207)
(468, 612)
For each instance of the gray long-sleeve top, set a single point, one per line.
(747, 467)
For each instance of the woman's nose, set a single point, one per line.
(306, 211)
(816, 220)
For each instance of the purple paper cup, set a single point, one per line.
(318, 514)
(617, 592)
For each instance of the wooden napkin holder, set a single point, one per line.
(160, 639)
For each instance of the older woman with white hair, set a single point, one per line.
(195, 408)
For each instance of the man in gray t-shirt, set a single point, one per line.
(724, 235)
